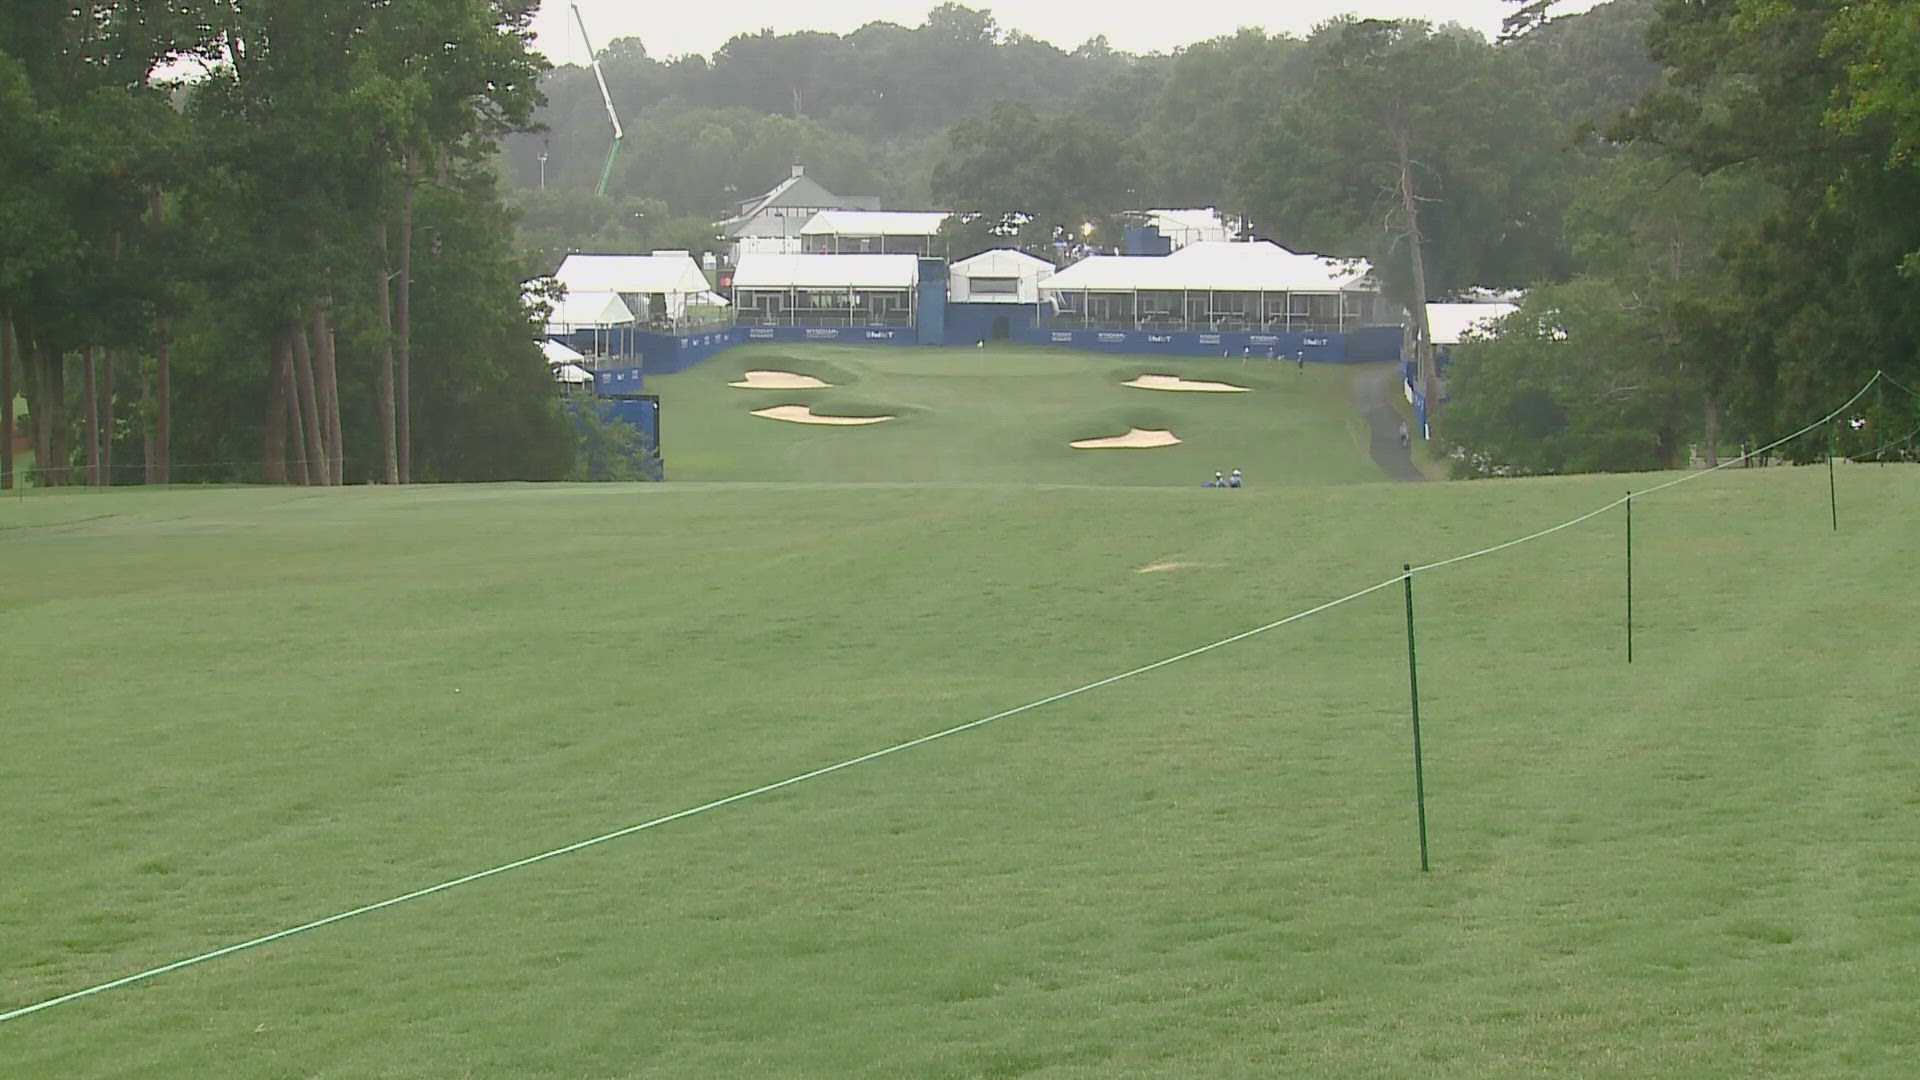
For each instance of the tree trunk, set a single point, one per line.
(411, 175)
(329, 391)
(59, 464)
(297, 465)
(6, 401)
(273, 449)
(92, 411)
(1423, 335)
(163, 376)
(316, 443)
(106, 415)
(384, 300)
(1713, 432)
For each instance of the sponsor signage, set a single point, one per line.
(1106, 335)
(1160, 337)
(880, 335)
(1264, 339)
(1060, 335)
(760, 332)
(1209, 339)
(1313, 341)
(822, 333)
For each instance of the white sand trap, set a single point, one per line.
(1134, 439)
(779, 380)
(1163, 567)
(1175, 382)
(800, 414)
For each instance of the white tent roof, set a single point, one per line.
(583, 309)
(1448, 323)
(1002, 262)
(874, 223)
(558, 353)
(1261, 266)
(827, 272)
(571, 373)
(660, 272)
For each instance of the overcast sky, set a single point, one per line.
(673, 29)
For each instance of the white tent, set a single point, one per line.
(658, 288)
(1261, 266)
(826, 290)
(826, 272)
(1215, 286)
(1184, 227)
(571, 373)
(588, 310)
(1448, 323)
(873, 231)
(998, 276)
(558, 353)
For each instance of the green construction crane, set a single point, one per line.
(593, 59)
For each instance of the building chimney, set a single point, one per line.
(798, 168)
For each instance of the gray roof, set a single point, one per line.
(801, 192)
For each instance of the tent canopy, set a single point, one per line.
(558, 353)
(1261, 266)
(661, 272)
(827, 272)
(571, 373)
(586, 310)
(874, 223)
(998, 276)
(1448, 323)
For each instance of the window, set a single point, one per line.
(996, 286)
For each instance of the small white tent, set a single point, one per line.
(558, 353)
(998, 276)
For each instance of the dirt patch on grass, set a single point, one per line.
(801, 414)
(1163, 567)
(1134, 439)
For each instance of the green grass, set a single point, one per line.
(1007, 414)
(228, 712)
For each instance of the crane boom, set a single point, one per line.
(606, 98)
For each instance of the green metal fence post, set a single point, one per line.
(1629, 577)
(1413, 685)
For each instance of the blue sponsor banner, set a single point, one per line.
(901, 335)
(1320, 348)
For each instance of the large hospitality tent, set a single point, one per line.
(860, 232)
(998, 276)
(1447, 324)
(664, 290)
(1211, 285)
(826, 290)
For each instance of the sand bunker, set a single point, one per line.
(800, 414)
(779, 380)
(1134, 439)
(1163, 567)
(1175, 382)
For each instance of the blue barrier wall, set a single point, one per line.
(932, 316)
(969, 324)
(664, 354)
(1320, 348)
(617, 381)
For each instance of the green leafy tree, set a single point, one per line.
(1430, 151)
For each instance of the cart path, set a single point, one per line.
(1374, 387)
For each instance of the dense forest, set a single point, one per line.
(273, 240)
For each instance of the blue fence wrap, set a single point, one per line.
(1358, 346)
(970, 324)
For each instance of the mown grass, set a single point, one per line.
(231, 711)
(1007, 414)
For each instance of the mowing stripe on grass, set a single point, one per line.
(896, 748)
(689, 812)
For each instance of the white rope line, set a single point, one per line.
(689, 812)
(894, 749)
(1591, 514)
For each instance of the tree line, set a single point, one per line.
(263, 240)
